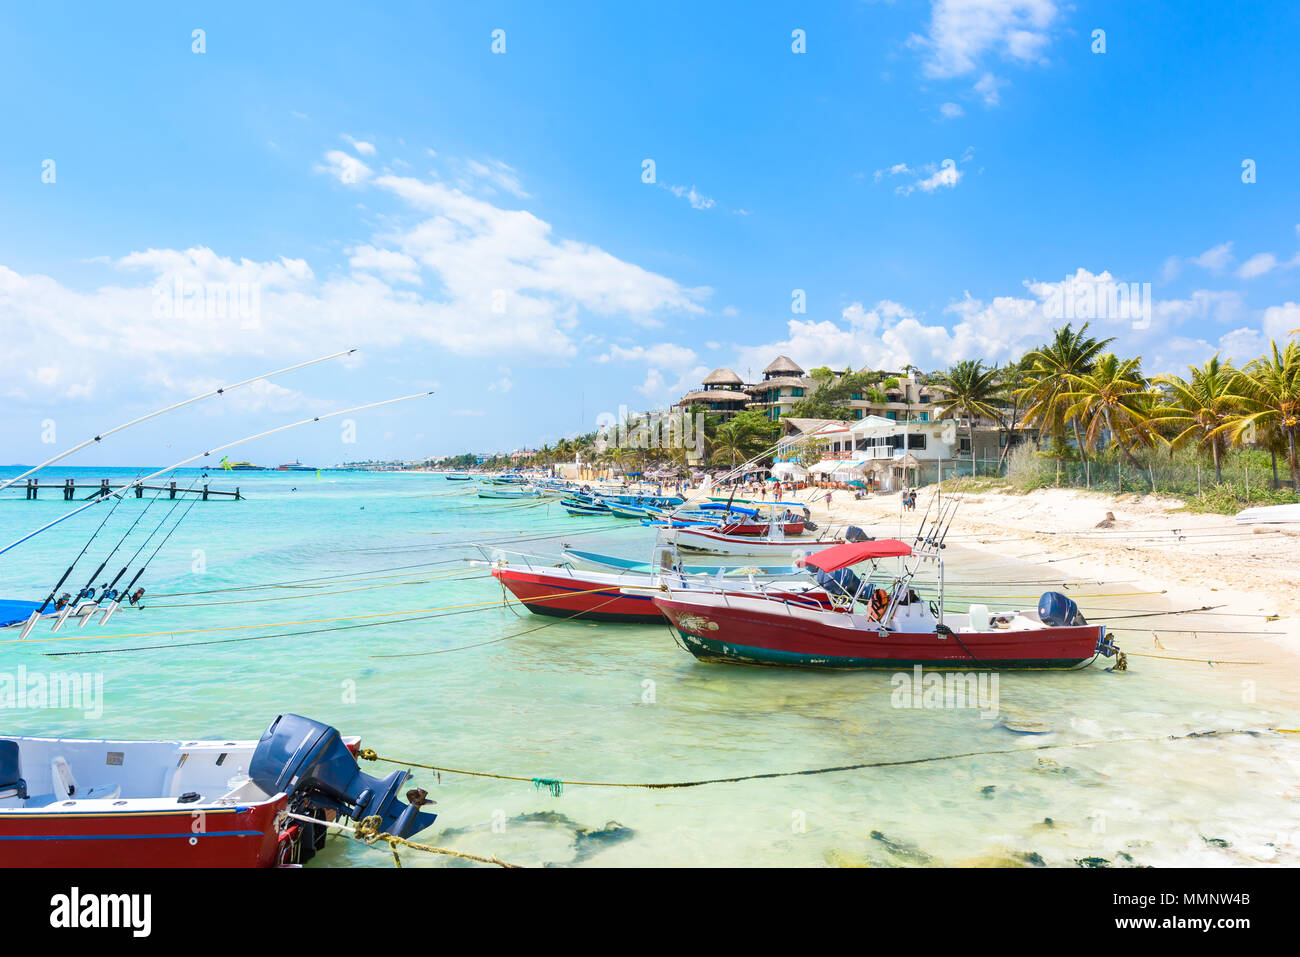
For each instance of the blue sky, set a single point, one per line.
(479, 223)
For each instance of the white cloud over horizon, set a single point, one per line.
(450, 270)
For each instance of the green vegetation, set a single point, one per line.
(1220, 437)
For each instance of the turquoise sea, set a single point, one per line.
(289, 600)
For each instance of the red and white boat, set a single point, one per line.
(878, 627)
(761, 528)
(770, 544)
(565, 592)
(86, 803)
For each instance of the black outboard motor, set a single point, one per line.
(855, 534)
(309, 761)
(1057, 610)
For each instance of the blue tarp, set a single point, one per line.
(16, 610)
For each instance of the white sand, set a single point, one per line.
(1196, 559)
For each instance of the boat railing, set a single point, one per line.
(492, 552)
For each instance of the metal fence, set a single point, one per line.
(1152, 476)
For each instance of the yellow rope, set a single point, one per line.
(367, 832)
(322, 594)
(310, 621)
(1208, 661)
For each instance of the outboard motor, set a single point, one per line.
(855, 534)
(309, 761)
(1057, 610)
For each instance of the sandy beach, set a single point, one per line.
(1196, 560)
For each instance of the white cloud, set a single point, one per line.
(1216, 258)
(987, 87)
(498, 283)
(951, 110)
(386, 262)
(941, 175)
(889, 335)
(362, 147)
(664, 354)
(495, 175)
(346, 169)
(697, 199)
(478, 249)
(1280, 321)
(963, 32)
(1257, 265)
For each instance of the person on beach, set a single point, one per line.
(828, 498)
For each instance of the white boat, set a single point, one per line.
(513, 493)
(87, 803)
(774, 549)
(566, 592)
(1269, 515)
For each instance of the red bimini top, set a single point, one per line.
(850, 553)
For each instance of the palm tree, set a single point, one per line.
(972, 391)
(742, 438)
(1113, 396)
(1269, 392)
(1200, 407)
(1012, 376)
(1047, 380)
(731, 441)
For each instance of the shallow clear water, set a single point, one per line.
(485, 687)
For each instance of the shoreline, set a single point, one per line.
(1189, 557)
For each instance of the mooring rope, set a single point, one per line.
(308, 621)
(472, 608)
(556, 785)
(367, 832)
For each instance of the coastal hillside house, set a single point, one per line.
(722, 393)
(784, 384)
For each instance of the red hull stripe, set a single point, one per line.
(124, 837)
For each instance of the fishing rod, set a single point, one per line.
(171, 408)
(219, 448)
(120, 541)
(88, 591)
(117, 601)
(122, 572)
(80, 555)
(916, 539)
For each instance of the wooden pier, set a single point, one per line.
(103, 489)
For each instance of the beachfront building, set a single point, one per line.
(893, 452)
(896, 396)
(722, 393)
(782, 386)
